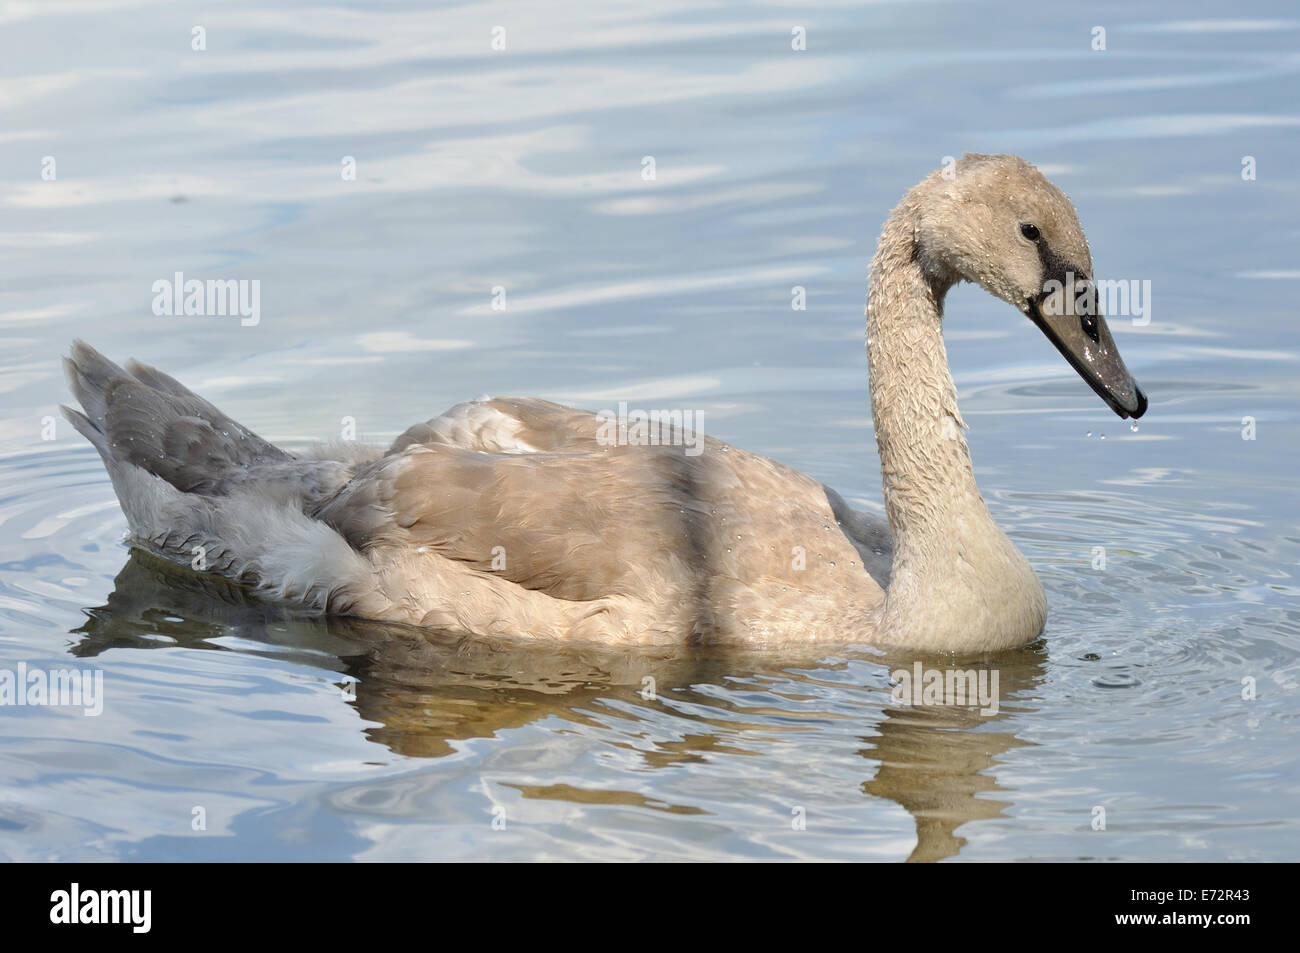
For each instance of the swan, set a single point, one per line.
(518, 517)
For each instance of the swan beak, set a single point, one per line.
(1070, 318)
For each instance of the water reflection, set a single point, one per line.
(936, 762)
(421, 692)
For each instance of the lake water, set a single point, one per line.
(1158, 718)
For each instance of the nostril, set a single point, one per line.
(1089, 324)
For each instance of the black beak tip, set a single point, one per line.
(1142, 404)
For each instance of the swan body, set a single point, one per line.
(516, 516)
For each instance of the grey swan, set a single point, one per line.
(515, 517)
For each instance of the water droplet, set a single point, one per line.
(1133, 426)
(832, 564)
(1088, 434)
(1103, 436)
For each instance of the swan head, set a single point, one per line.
(998, 222)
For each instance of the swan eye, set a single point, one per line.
(1030, 231)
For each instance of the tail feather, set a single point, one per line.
(89, 374)
(200, 490)
(139, 416)
(84, 426)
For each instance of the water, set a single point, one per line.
(522, 169)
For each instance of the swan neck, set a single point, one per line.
(957, 582)
(926, 468)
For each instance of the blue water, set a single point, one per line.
(1167, 687)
